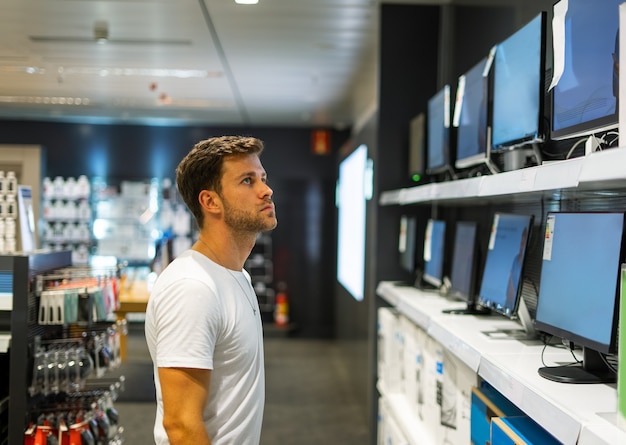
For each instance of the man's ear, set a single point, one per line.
(210, 201)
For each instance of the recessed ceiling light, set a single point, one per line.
(246, 2)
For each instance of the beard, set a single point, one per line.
(248, 221)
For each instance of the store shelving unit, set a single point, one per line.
(574, 414)
(20, 271)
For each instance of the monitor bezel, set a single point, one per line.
(572, 336)
(426, 277)
(444, 93)
(483, 156)
(539, 136)
(455, 293)
(599, 125)
(494, 306)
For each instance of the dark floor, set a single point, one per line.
(308, 398)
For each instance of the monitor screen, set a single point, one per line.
(434, 243)
(580, 278)
(351, 202)
(438, 146)
(463, 261)
(518, 86)
(584, 99)
(407, 243)
(471, 146)
(501, 284)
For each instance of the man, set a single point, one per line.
(203, 325)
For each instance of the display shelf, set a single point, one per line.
(602, 428)
(604, 169)
(511, 365)
(596, 171)
(562, 409)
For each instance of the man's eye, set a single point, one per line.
(247, 181)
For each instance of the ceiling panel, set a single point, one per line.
(281, 62)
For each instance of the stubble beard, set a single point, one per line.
(243, 221)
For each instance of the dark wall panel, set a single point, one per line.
(303, 185)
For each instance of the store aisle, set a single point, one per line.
(308, 400)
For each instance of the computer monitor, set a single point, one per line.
(463, 269)
(438, 159)
(417, 147)
(579, 289)
(518, 87)
(407, 242)
(471, 109)
(500, 289)
(584, 100)
(434, 243)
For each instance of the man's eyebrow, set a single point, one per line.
(263, 174)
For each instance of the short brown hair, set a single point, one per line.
(201, 168)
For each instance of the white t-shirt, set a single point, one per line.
(202, 315)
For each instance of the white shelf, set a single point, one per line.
(598, 170)
(566, 411)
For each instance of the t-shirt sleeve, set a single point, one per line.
(187, 322)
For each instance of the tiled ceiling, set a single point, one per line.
(210, 62)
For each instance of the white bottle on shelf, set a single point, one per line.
(47, 188)
(83, 187)
(11, 183)
(2, 183)
(11, 207)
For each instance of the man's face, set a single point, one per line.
(246, 197)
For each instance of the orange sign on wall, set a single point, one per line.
(320, 144)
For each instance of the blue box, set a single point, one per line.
(519, 431)
(488, 403)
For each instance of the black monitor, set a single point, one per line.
(518, 87)
(501, 285)
(579, 290)
(438, 159)
(417, 147)
(584, 99)
(471, 110)
(463, 269)
(434, 243)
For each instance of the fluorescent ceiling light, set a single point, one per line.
(246, 2)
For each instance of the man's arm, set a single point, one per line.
(185, 391)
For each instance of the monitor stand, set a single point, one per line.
(527, 331)
(593, 369)
(471, 309)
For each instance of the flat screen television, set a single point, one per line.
(407, 243)
(518, 87)
(434, 244)
(579, 289)
(472, 101)
(438, 159)
(350, 199)
(501, 285)
(464, 267)
(584, 99)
